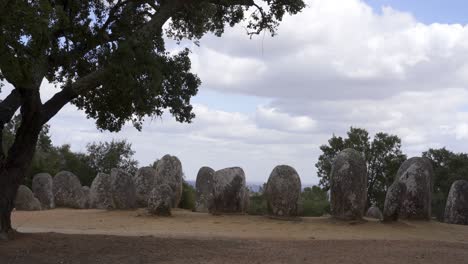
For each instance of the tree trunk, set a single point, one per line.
(16, 164)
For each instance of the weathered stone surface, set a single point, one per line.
(394, 201)
(160, 200)
(68, 191)
(348, 185)
(456, 209)
(229, 191)
(283, 191)
(169, 171)
(204, 189)
(123, 189)
(417, 174)
(42, 186)
(374, 212)
(100, 194)
(86, 196)
(144, 183)
(25, 200)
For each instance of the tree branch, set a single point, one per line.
(8, 107)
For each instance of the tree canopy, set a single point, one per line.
(383, 157)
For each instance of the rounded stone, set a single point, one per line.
(348, 185)
(144, 183)
(25, 200)
(123, 189)
(456, 209)
(169, 171)
(100, 194)
(417, 174)
(394, 201)
(229, 191)
(283, 191)
(68, 191)
(374, 212)
(204, 189)
(42, 186)
(160, 200)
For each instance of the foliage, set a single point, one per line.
(257, 204)
(188, 196)
(103, 156)
(314, 201)
(383, 157)
(448, 167)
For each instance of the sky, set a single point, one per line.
(393, 66)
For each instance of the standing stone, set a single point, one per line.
(374, 212)
(68, 191)
(42, 188)
(417, 174)
(86, 197)
(394, 201)
(348, 185)
(144, 183)
(169, 171)
(229, 191)
(456, 209)
(204, 189)
(123, 189)
(100, 194)
(160, 200)
(283, 191)
(25, 200)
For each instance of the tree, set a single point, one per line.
(104, 156)
(314, 201)
(383, 157)
(108, 58)
(448, 167)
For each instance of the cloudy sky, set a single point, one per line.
(394, 66)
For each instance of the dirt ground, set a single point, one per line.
(97, 236)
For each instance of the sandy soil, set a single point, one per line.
(97, 236)
(186, 224)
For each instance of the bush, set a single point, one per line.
(314, 202)
(257, 205)
(187, 200)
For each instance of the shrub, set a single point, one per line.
(187, 200)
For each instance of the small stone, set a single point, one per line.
(25, 200)
(160, 200)
(144, 183)
(283, 191)
(394, 201)
(101, 192)
(204, 189)
(456, 209)
(42, 187)
(229, 191)
(374, 212)
(169, 171)
(417, 174)
(123, 189)
(68, 191)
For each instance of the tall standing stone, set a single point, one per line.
(229, 191)
(68, 191)
(42, 186)
(348, 185)
(144, 183)
(283, 191)
(204, 189)
(394, 201)
(456, 209)
(417, 174)
(123, 189)
(100, 194)
(25, 200)
(169, 171)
